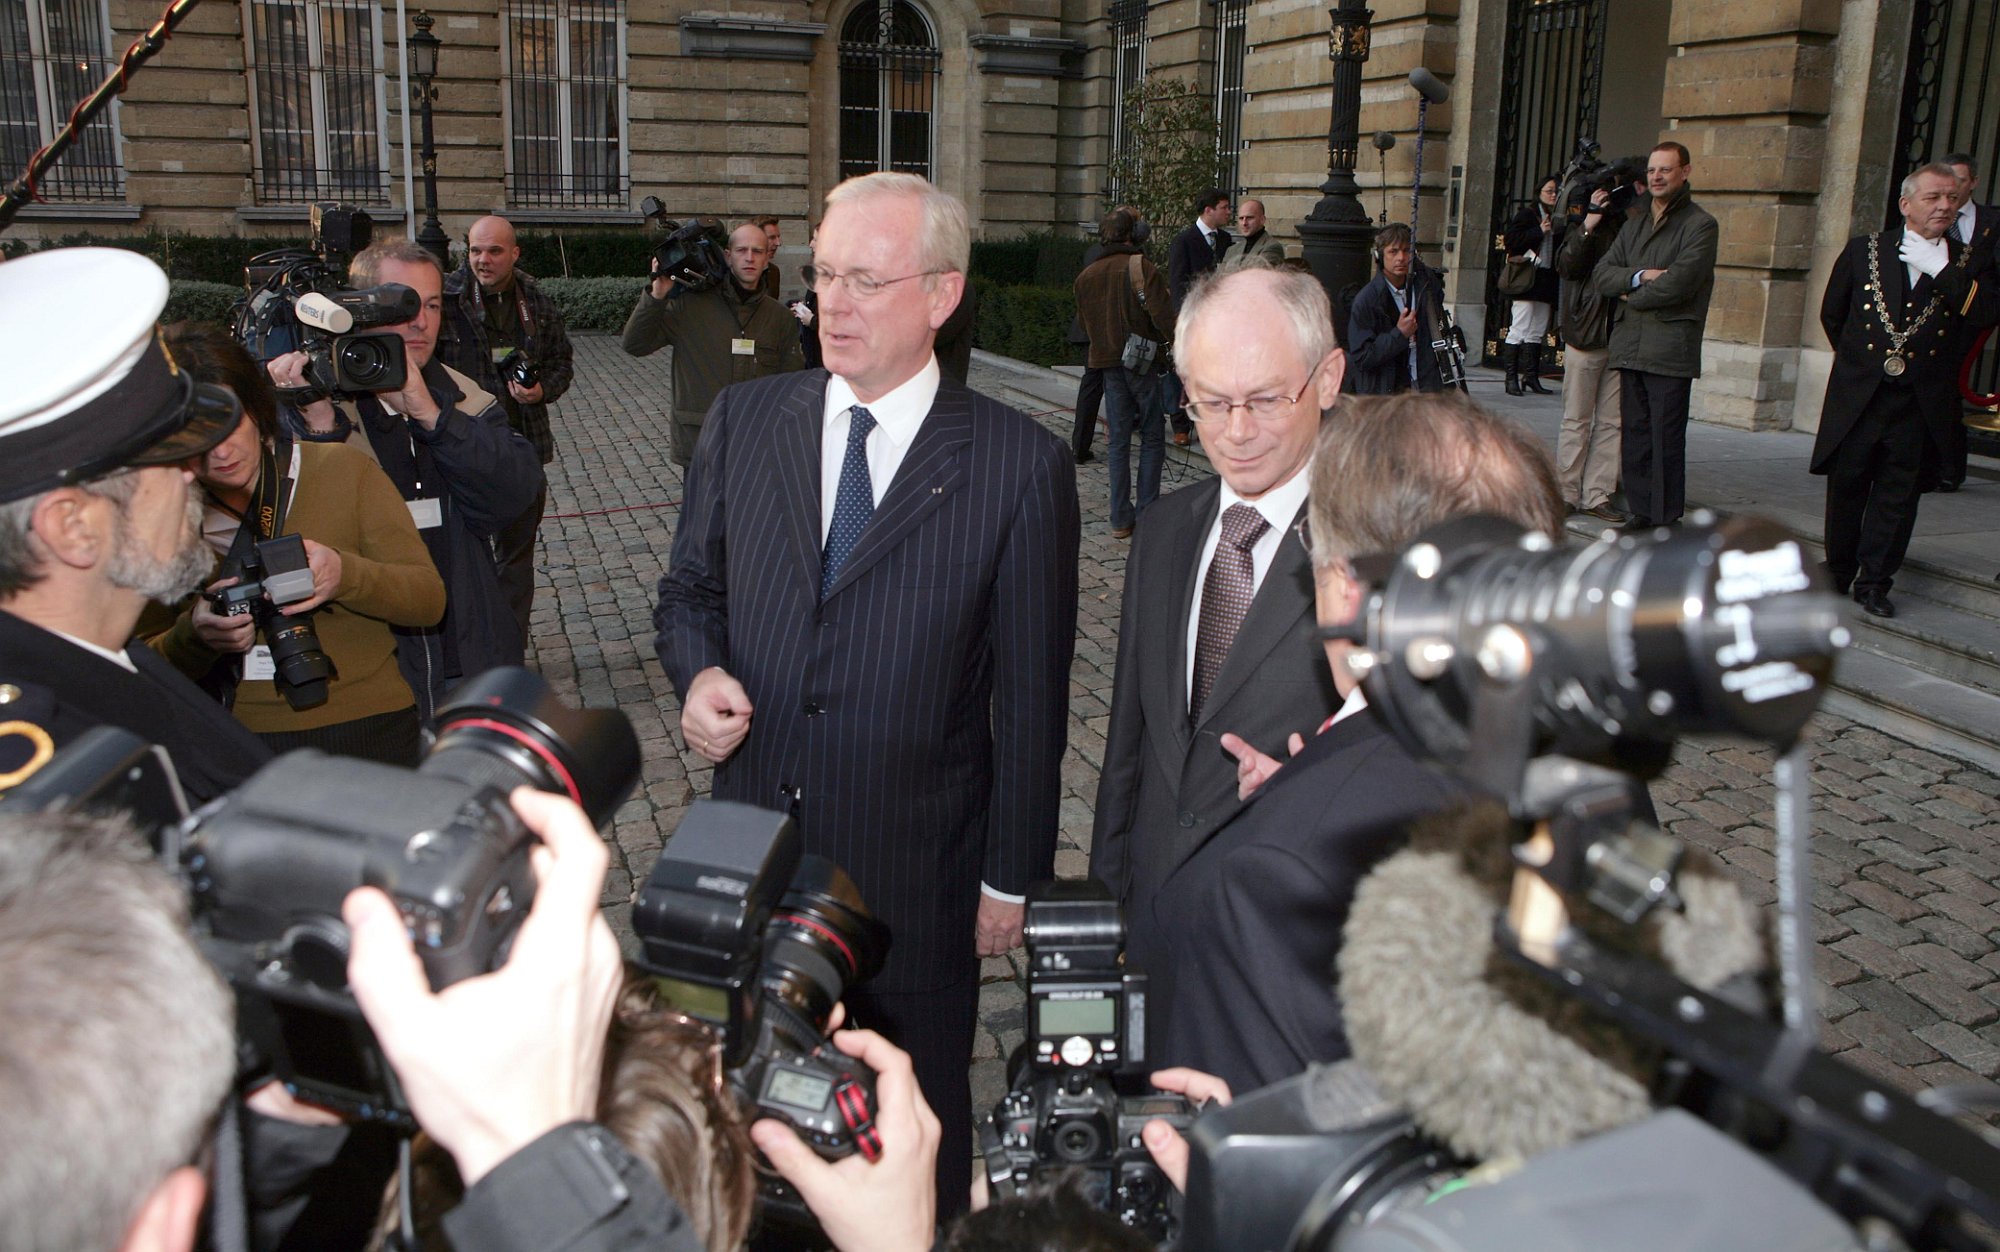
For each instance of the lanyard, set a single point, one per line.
(272, 500)
(520, 307)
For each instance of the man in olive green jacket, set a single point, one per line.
(1661, 270)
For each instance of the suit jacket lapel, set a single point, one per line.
(1273, 613)
(1186, 565)
(932, 469)
(797, 448)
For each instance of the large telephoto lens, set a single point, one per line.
(822, 939)
(303, 666)
(507, 729)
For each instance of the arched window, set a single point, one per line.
(889, 63)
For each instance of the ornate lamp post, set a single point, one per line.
(1337, 232)
(424, 64)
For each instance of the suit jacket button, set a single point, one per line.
(1187, 819)
(811, 708)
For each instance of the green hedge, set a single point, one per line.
(594, 303)
(190, 300)
(588, 253)
(198, 258)
(1028, 323)
(1039, 260)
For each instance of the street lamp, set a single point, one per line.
(424, 64)
(1337, 232)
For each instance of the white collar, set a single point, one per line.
(1356, 701)
(1279, 505)
(118, 657)
(898, 413)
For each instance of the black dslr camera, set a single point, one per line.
(746, 934)
(274, 574)
(695, 253)
(269, 865)
(517, 367)
(1064, 1110)
(297, 299)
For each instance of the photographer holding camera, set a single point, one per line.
(503, 332)
(462, 472)
(1587, 450)
(96, 518)
(369, 570)
(729, 332)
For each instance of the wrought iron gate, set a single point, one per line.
(1551, 85)
(889, 66)
(1951, 104)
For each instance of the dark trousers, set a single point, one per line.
(1654, 449)
(391, 738)
(1953, 454)
(1089, 396)
(936, 1028)
(514, 554)
(1872, 491)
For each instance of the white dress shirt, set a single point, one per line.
(1280, 506)
(898, 415)
(1968, 219)
(118, 658)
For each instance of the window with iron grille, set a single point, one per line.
(316, 92)
(1231, 47)
(53, 53)
(889, 63)
(1128, 67)
(566, 104)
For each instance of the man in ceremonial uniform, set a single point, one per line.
(1899, 310)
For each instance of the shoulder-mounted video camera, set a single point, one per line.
(298, 300)
(1587, 174)
(695, 253)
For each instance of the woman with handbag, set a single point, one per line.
(1530, 278)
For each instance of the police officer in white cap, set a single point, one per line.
(97, 427)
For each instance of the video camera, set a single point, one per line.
(297, 299)
(695, 253)
(758, 941)
(274, 574)
(269, 865)
(1064, 1111)
(1586, 175)
(1552, 679)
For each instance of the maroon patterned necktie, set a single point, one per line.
(1225, 599)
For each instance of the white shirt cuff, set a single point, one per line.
(1001, 896)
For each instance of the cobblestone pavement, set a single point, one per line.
(1906, 855)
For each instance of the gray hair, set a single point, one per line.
(365, 270)
(1388, 468)
(119, 1043)
(20, 568)
(1929, 167)
(945, 243)
(1296, 292)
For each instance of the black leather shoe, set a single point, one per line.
(1947, 486)
(1605, 513)
(1840, 584)
(1084, 457)
(1874, 601)
(1636, 523)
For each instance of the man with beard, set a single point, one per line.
(731, 333)
(97, 426)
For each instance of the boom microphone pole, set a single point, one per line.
(1385, 140)
(1430, 91)
(155, 37)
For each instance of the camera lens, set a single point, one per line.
(821, 940)
(303, 667)
(364, 362)
(505, 728)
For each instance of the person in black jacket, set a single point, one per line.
(464, 473)
(1193, 252)
(1977, 225)
(1390, 328)
(1588, 448)
(1532, 235)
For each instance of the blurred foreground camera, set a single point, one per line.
(758, 941)
(273, 574)
(297, 299)
(695, 253)
(1066, 1109)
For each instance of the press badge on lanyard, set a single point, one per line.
(426, 511)
(743, 347)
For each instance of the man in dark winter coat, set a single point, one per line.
(1391, 326)
(1661, 269)
(1900, 309)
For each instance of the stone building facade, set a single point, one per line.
(1800, 114)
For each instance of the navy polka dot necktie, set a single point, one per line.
(1225, 599)
(855, 502)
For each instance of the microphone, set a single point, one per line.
(323, 313)
(1428, 86)
(1486, 1057)
(1384, 140)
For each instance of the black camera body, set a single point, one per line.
(743, 932)
(695, 253)
(1066, 1109)
(518, 367)
(274, 574)
(1587, 174)
(297, 299)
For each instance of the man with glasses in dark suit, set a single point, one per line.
(869, 614)
(1217, 632)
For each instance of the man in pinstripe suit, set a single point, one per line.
(869, 614)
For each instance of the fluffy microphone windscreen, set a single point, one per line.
(1487, 1057)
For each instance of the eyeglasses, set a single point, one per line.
(860, 286)
(1261, 407)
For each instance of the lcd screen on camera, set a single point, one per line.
(1076, 1017)
(800, 1091)
(329, 1051)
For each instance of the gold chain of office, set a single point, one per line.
(1894, 364)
